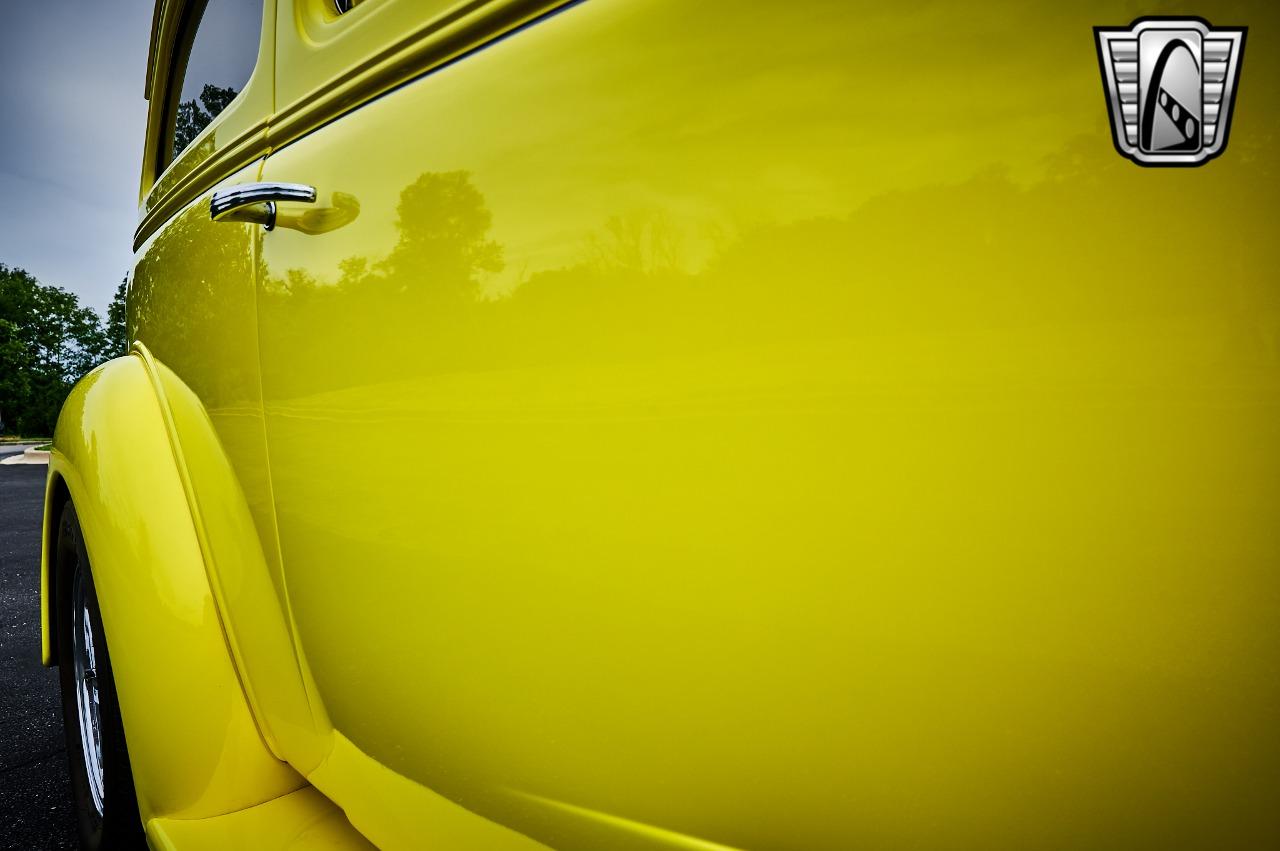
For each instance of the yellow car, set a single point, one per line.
(655, 424)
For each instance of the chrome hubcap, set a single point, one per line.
(86, 677)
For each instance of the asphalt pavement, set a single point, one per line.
(35, 794)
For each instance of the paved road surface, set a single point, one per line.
(35, 799)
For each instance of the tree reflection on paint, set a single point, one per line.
(980, 257)
(194, 115)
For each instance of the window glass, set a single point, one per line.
(213, 66)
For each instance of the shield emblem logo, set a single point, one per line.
(1171, 84)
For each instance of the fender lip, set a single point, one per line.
(53, 482)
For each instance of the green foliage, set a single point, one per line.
(117, 333)
(47, 341)
(194, 115)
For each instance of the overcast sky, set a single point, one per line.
(72, 117)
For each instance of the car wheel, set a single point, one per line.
(101, 780)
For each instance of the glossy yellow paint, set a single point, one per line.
(793, 426)
(240, 580)
(301, 821)
(394, 812)
(321, 50)
(193, 744)
(330, 64)
(789, 440)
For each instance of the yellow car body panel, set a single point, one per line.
(303, 820)
(195, 749)
(240, 581)
(733, 426)
(779, 449)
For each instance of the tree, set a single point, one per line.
(15, 384)
(117, 332)
(47, 341)
(194, 115)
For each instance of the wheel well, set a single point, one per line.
(56, 497)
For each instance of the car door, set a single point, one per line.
(192, 306)
(771, 425)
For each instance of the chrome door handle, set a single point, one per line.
(256, 202)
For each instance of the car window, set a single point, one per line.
(213, 60)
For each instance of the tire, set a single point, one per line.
(106, 805)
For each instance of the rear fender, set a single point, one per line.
(194, 746)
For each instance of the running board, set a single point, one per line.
(300, 820)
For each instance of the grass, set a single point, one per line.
(45, 447)
(8, 439)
